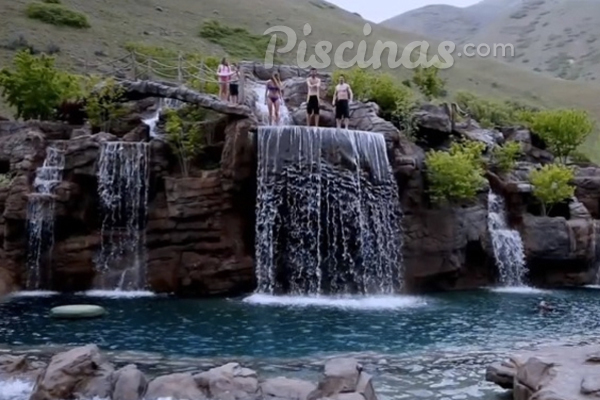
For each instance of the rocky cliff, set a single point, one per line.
(200, 229)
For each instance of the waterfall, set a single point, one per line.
(40, 216)
(328, 213)
(263, 110)
(123, 179)
(152, 120)
(507, 244)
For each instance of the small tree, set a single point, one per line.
(35, 87)
(184, 139)
(455, 175)
(552, 184)
(563, 130)
(429, 82)
(103, 103)
(505, 157)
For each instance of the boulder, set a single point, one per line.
(281, 388)
(129, 384)
(20, 366)
(180, 386)
(551, 373)
(79, 372)
(229, 382)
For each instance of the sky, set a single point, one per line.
(379, 10)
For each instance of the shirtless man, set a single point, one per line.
(341, 100)
(312, 98)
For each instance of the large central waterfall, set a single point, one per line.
(507, 244)
(123, 179)
(328, 213)
(40, 217)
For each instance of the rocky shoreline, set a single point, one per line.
(551, 373)
(85, 372)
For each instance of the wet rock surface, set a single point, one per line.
(85, 372)
(553, 373)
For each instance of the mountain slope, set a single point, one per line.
(446, 22)
(560, 38)
(175, 24)
(556, 37)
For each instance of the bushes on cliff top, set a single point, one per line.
(103, 102)
(35, 87)
(455, 175)
(186, 139)
(390, 95)
(57, 14)
(492, 113)
(506, 156)
(562, 130)
(552, 185)
(429, 82)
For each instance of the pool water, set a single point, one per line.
(420, 347)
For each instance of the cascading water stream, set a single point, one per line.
(507, 244)
(123, 179)
(262, 108)
(153, 119)
(40, 217)
(328, 213)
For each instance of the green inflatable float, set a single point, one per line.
(77, 311)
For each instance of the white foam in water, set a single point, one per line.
(356, 303)
(118, 294)
(15, 389)
(153, 119)
(34, 293)
(517, 289)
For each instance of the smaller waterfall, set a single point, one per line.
(152, 120)
(263, 109)
(507, 244)
(40, 216)
(123, 179)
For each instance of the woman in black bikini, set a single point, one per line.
(273, 97)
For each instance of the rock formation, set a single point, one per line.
(200, 228)
(84, 372)
(554, 373)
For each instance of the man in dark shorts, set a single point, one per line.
(312, 98)
(341, 100)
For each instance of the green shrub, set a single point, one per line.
(51, 1)
(562, 130)
(35, 87)
(380, 88)
(185, 139)
(5, 180)
(237, 42)
(455, 175)
(56, 14)
(492, 113)
(429, 82)
(103, 103)
(552, 185)
(505, 157)
(197, 76)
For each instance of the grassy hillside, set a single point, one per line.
(557, 37)
(176, 24)
(560, 38)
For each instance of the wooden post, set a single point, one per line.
(133, 65)
(179, 72)
(149, 62)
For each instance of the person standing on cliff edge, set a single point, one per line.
(312, 98)
(341, 101)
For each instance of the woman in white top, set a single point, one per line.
(223, 74)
